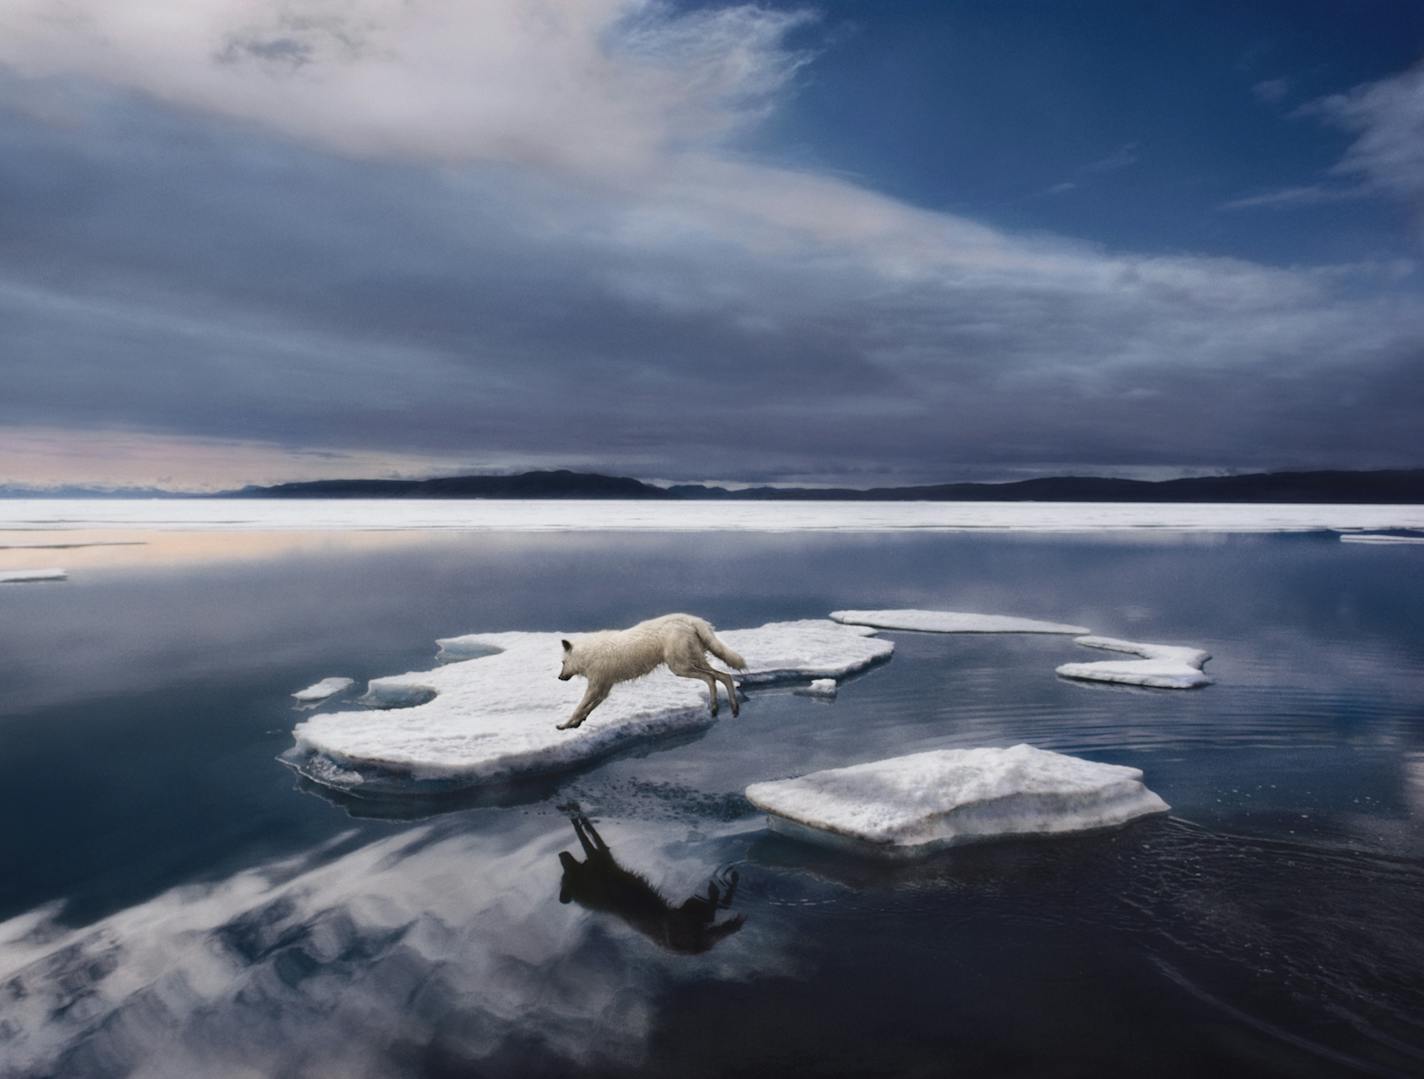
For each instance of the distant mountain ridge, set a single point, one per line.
(1393, 486)
(555, 484)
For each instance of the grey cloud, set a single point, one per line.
(601, 87)
(163, 271)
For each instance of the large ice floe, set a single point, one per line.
(24, 576)
(926, 801)
(493, 717)
(952, 622)
(1160, 666)
(1370, 537)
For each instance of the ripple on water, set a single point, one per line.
(1317, 944)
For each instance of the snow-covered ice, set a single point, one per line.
(952, 622)
(821, 687)
(23, 576)
(1161, 666)
(1367, 537)
(327, 687)
(494, 717)
(559, 515)
(927, 801)
(808, 649)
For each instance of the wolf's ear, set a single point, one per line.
(567, 647)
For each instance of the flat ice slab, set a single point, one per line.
(927, 801)
(1161, 666)
(1358, 537)
(493, 717)
(22, 576)
(952, 622)
(327, 687)
(821, 687)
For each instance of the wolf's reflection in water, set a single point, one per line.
(600, 883)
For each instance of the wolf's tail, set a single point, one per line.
(717, 648)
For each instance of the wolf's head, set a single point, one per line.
(570, 667)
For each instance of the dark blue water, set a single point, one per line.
(176, 902)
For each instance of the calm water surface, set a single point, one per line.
(173, 901)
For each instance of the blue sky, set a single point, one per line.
(1130, 124)
(849, 243)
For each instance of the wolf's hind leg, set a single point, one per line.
(711, 691)
(686, 668)
(584, 841)
(711, 673)
(731, 685)
(593, 835)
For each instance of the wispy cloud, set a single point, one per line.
(1305, 195)
(1272, 91)
(1123, 157)
(1387, 120)
(1386, 156)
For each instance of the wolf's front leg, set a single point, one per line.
(592, 698)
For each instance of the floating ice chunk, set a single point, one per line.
(494, 717)
(1366, 537)
(811, 648)
(24, 576)
(327, 687)
(821, 687)
(952, 622)
(1162, 666)
(927, 801)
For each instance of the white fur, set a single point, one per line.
(682, 641)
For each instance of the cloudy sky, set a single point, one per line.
(857, 242)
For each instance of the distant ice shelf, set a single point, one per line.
(1367, 537)
(493, 717)
(558, 515)
(327, 687)
(1160, 666)
(24, 576)
(927, 801)
(952, 622)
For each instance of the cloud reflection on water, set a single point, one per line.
(438, 943)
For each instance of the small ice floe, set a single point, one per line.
(1369, 537)
(493, 718)
(1161, 666)
(821, 687)
(926, 801)
(327, 687)
(952, 622)
(24, 576)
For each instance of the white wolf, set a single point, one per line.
(617, 655)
